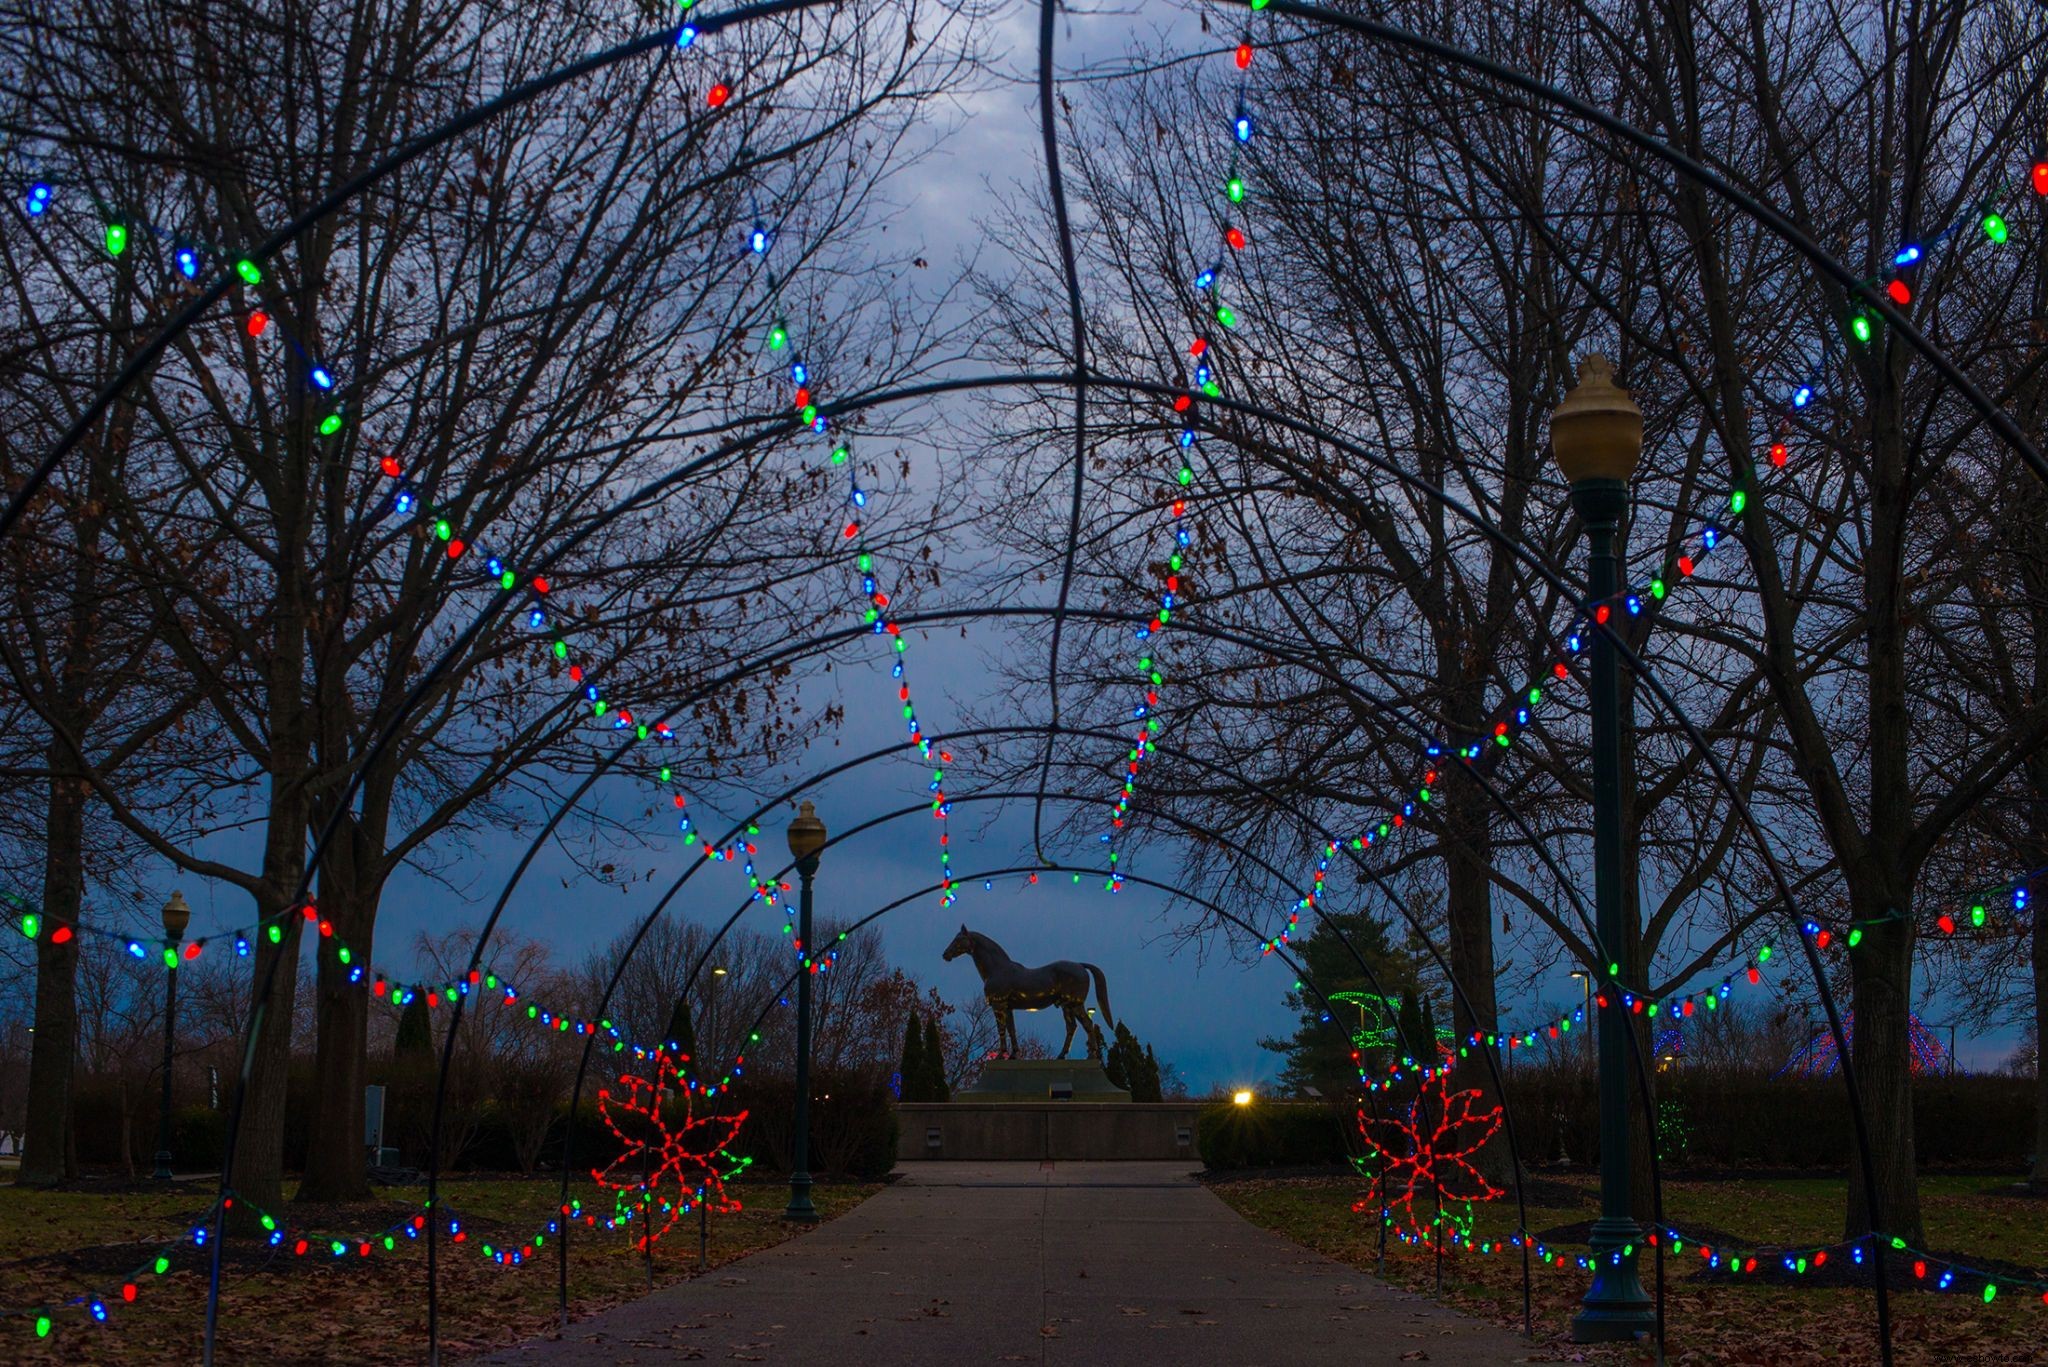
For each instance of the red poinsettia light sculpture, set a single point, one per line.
(1425, 1153)
(670, 1166)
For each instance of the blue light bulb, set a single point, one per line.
(321, 378)
(38, 198)
(1243, 126)
(685, 36)
(188, 262)
(1907, 256)
(758, 240)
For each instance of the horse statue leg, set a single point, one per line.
(1067, 1009)
(1006, 1032)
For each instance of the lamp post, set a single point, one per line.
(806, 839)
(1596, 435)
(176, 916)
(709, 1044)
(1585, 1008)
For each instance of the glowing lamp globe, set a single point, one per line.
(1597, 431)
(806, 833)
(177, 915)
(1241, 1099)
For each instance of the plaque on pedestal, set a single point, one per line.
(1043, 1079)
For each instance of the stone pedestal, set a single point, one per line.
(1043, 1079)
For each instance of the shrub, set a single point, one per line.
(1272, 1134)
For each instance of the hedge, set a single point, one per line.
(1706, 1120)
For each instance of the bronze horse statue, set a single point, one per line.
(1009, 985)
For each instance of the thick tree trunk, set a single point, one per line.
(1468, 905)
(336, 1158)
(53, 1054)
(1882, 1000)
(258, 1177)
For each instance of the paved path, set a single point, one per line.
(963, 1263)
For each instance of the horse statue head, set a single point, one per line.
(963, 943)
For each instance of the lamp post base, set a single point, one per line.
(1616, 1308)
(163, 1167)
(800, 1208)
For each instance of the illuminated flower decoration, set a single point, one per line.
(1427, 1154)
(655, 1152)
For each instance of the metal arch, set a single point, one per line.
(1371, 875)
(1686, 166)
(918, 808)
(772, 427)
(1694, 170)
(1772, 221)
(395, 160)
(1056, 190)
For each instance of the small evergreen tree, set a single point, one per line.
(910, 1072)
(935, 1086)
(681, 1036)
(415, 1038)
(1153, 1090)
(1414, 1040)
(1429, 1031)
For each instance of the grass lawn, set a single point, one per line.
(1712, 1319)
(317, 1308)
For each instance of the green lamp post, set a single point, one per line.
(1597, 436)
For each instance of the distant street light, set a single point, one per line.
(176, 916)
(1242, 1098)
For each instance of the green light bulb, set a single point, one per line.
(250, 274)
(117, 239)
(330, 424)
(1235, 189)
(1860, 329)
(1994, 228)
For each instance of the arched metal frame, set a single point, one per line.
(778, 426)
(1080, 379)
(1415, 1049)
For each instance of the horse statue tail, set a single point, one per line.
(1101, 994)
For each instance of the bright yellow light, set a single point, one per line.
(1242, 1098)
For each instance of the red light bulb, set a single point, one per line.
(1778, 454)
(1244, 55)
(718, 96)
(2041, 177)
(1900, 292)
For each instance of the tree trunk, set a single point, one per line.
(258, 1176)
(1881, 1050)
(336, 1156)
(1468, 908)
(53, 1053)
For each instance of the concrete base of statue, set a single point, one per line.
(1042, 1079)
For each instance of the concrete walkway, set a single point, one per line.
(960, 1263)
